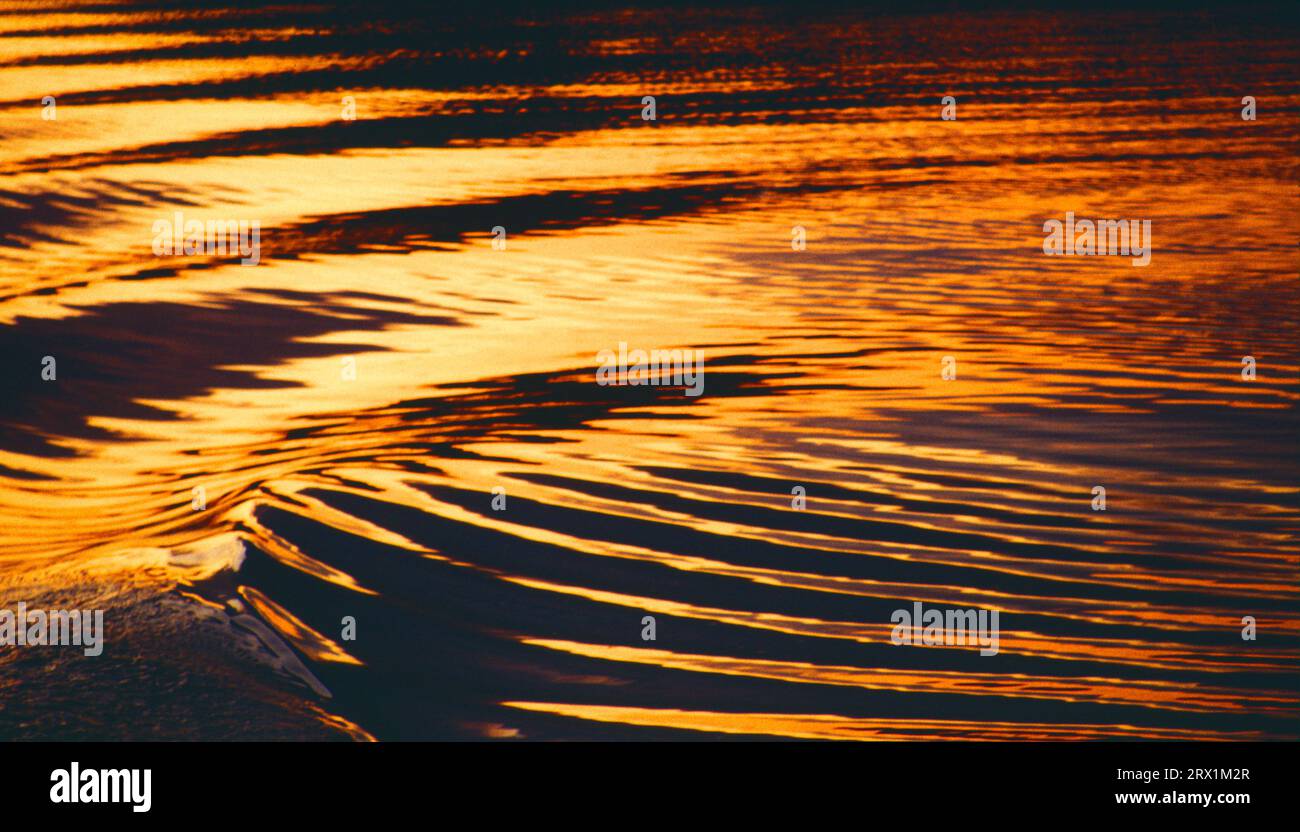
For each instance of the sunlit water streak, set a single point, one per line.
(371, 497)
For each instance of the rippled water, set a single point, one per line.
(330, 496)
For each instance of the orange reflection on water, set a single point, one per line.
(474, 370)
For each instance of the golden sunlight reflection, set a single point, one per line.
(252, 454)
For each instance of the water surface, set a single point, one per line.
(329, 495)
